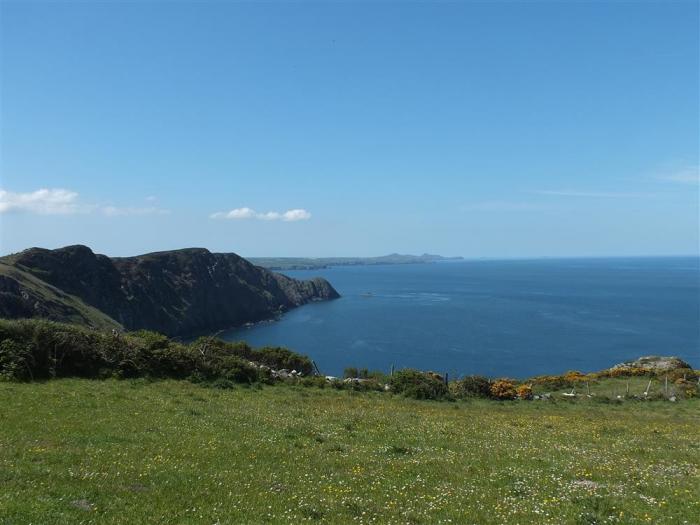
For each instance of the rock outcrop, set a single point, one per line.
(179, 292)
(653, 363)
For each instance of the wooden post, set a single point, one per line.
(627, 388)
(446, 376)
(666, 385)
(646, 392)
(588, 388)
(391, 374)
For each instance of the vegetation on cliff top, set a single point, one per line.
(37, 349)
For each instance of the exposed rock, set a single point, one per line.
(653, 363)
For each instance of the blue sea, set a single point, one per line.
(513, 318)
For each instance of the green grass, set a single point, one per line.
(107, 452)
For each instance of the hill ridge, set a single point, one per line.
(176, 292)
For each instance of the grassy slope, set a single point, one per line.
(67, 308)
(80, 451)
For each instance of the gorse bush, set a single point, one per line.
(503, 389)
(574, 376)
(37, 349)
(687, 374)
(524, 391)
(552, 382)
(418, 385)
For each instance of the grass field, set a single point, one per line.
(107, 452)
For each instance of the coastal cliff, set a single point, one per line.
(179, 292)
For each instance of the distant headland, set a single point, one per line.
(314, 263)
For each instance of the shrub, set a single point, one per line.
(274, 357)
(627, 371)
(551, 382)
(350, 372)
(472, 386)
(574, 376)
(364, 385)
(418, 385)
(503, 389)
(279, 357)
(311, 381)
(37, 349)
(524, 392)
(681, 373)
(151, 340)
(686, 388)
(15, 360)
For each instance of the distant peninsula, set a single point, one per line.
(315, 263)
(177, 292)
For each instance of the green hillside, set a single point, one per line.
(24, 295)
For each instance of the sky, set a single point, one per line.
(481, 129)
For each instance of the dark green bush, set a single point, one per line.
(314, 381)
(36, 349)
(278, 358)
(351, 372)
(273, 357)
(418, 385)
(364, 373)
(15, 360)
(365, 385)
(472, 386)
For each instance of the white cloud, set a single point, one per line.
(296, 215)
(113, 211)
(63, 202)
(43, 201)
(248, 213)
(690, 175)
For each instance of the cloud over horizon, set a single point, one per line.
(59, 201)
(297, 214)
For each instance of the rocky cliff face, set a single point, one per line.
(178, 292)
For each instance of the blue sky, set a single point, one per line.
(500, 129)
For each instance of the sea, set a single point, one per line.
(514, 318)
